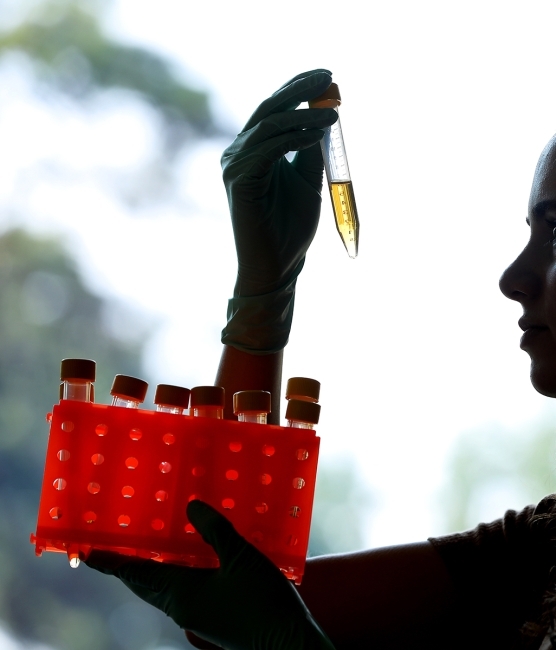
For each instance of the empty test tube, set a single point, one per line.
(171, 399)
(337, 173)
(252, 405)
(77, 377)
(301, 414)
(207, 402)
(303, 388)
(128, 392)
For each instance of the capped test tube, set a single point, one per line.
(207, 402)
(301, 414)
(128, 392)
(77, 377)
(252, 405)
(337, 173)
(171, 399)
(303, 388)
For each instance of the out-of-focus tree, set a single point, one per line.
(46, 313)
(495, 470)
(72, 67)
(72, 54)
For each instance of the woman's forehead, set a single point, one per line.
(544, 181)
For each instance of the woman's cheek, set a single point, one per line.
(550, 296)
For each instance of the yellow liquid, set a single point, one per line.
(345, 212)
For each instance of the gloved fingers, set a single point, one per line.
(279, 123)
(144, 574)
(303, 75)
(216, 530)
(105, 561)
(200, 643)
(309, 165)
(148, 595)
(300, 89)
(257, 162)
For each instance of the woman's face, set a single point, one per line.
(531, 278)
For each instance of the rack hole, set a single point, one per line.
(59, 483)
(298, 483)
(127, 491)
(161, 495)
(165, 467)
(266, 479)
(189, 528)
(302, 454)
(89, 517)
(199, 470)
(235, 446)
(124, 521)
(67, 426)
(131, 462)
(295, 512)
(169, 438)
(136, 434)
(268, 450)
(228, 503)
(101, 429)
(63, 454)
(231, 474)
(55, 513)
(157, 524)
(261, 508)
(94, 488)
(194, 497)
(257, 537)
(97, 459)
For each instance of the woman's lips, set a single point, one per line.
(530, 335)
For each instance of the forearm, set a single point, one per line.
(243, 371)
(390, 598)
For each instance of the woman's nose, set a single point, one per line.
(520, 281)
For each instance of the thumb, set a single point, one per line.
(216, 530)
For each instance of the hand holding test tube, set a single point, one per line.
(337, 173)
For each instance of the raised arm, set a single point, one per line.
(240, 370)
(275, 208)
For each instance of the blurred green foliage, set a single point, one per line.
(495, 469)
(72, 53)
(46, 314)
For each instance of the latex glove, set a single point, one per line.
(275, 209)
(245, 604)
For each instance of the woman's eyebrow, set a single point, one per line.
(540, 210)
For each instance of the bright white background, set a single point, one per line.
(446, 108)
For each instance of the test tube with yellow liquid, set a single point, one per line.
(337, 173)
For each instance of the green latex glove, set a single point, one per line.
(245, 604)
(275, 208)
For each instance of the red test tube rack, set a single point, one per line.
(120, 479)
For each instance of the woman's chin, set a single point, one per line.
(543, 378)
